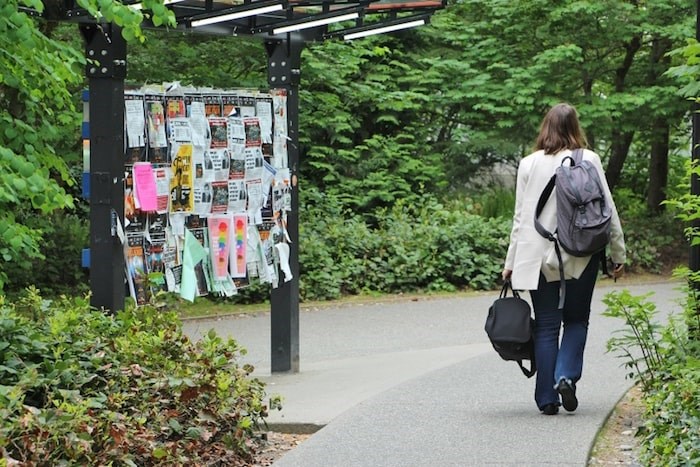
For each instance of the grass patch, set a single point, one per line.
(204, 307)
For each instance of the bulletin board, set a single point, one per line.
(206, 190)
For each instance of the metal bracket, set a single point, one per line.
(105, 51)
(284, 62)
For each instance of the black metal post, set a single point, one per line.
(105, 50)
(284, 62)
(694, 260)
(694, 263)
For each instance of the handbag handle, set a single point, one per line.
(508, 285)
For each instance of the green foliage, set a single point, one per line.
(688, 72)
(129, 19)
(665, 359)
(35, 111)
(643, 334)
(379, 123)
(491, 202)
(38, 116)
(363, 141)
(80, 387)
(654, 243)
(198, 60)
(672, 418)
(58, 270)
(420, 245)
(687, 206)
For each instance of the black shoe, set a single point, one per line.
(567, 390)
(550, 409)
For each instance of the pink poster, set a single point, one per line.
(239, 245)
(220, 241)
(145, 186)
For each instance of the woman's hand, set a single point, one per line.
(618, 271)
(506, 274)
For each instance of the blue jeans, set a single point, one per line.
(557, 360)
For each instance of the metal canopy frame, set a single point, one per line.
(106, 51)
(258, 18)
(295, 12)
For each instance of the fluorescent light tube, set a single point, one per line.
(382, 30)
(139, 6)
(314, 23)
(238, 14)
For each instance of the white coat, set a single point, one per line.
(529, 253)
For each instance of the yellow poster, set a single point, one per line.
(181, 196)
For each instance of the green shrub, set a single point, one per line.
(335, 248)
(672, 418)
(640, 343)
(654, 242)
(80, 387)
(495, 202)
(665, 360)
(412, 247)
(435, 248)
(58, 270)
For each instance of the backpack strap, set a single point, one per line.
(544, 197)
(577, 155)
(562, 279)
(604, 263)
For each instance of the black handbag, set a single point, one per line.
(510, 328)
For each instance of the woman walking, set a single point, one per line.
(532, 264)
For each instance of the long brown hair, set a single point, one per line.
(560, 130)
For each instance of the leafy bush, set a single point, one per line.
(666, 362)
(58, 270)
(666, 359)
(673, 418)
(36, 113)
(641, 345)
(414, 246)
(654, 242)
(493, 202)
(83, 388)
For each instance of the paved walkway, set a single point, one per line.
(416, 383)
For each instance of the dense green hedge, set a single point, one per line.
(412, 246)
(655, 241)
(79, 387)
(58, 269)
(672, 415)
(419, 244)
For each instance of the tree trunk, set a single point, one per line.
(660, 132)
(588, 93)
(658, 166)
(621, 142)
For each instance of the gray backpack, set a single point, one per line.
(583, 213)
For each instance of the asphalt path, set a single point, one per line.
(414, 382)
